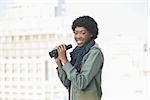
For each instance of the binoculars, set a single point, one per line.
(54, 52)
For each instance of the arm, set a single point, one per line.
(89, 69)
(61, 73)
(62, 76)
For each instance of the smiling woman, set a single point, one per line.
(81, 35)
(82, 75)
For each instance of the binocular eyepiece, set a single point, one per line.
(54, 52)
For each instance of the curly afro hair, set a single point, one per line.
(87, 22)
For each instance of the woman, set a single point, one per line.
(82, 75)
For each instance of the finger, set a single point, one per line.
(61, 47)
(58, 49)
(64, 47)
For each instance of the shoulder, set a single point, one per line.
(96, 50)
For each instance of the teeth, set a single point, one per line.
(79, 41)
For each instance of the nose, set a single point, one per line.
(77, 36)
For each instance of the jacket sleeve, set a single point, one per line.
(88, 70)
(62, 76)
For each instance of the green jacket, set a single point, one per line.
(85, 85)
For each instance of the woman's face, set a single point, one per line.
(81, 35)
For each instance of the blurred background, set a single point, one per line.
(29, 29)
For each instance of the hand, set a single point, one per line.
(58, 61)
(61, 49)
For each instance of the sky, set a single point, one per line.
(113, 16)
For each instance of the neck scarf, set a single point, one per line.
(78, 53)
(76, 59)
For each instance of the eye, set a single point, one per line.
(83, 33)
(75, 33)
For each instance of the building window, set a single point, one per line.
(35, 37)
(13, 38)
(27, 37)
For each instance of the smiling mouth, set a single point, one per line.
(79, 42)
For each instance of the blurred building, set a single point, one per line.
(29, 30)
